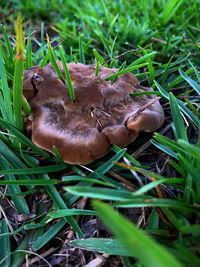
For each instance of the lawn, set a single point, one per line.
(136, 206)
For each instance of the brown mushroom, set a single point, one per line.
(102, 114)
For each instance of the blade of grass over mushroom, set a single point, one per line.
(53, 61)
(128, 69)
(67, 74)
(145, 93)
(5, 246)
(130, 234)
(102, 245)
(18, 76)
(20, 203)
(97, 69)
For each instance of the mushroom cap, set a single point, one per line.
(102, 114)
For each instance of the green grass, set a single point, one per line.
(156, 40)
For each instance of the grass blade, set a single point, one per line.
(20, 203)
(6, 107)
(102, 245)
(18, 76)
(60, 204)
(69, 212)
(5, 246)
(100, 193)
(117, 74)
(145, 249)
(27, 182)
(22, 138)
(194, 85)
(181, 105)
(96, 174)
(36, 170)
(8, 45)
(53, 61)
(69, 81)
(97, 69)
(28, 54)
(81, 50)
(142, 59)
(157, 202)
(18, 257)
(169, 9)
(98, 57)
(179, 127)
(48, 235)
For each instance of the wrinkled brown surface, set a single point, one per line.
(84, 130)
